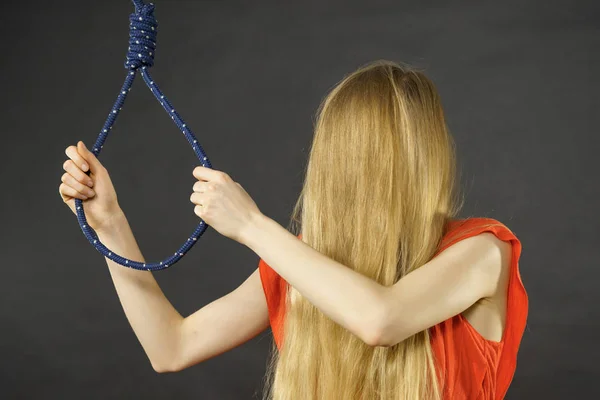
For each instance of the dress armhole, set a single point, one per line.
(274, 288)
(517, 306)
(267, 279)
(263, 278)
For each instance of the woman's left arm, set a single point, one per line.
(379, 315)
(347, 297)
(383, 315)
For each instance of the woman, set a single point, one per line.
(387, 295)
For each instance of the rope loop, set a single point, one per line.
(142, 37)
(142, 43)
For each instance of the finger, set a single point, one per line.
(94, 163)
(209, 174)
(200, 187)
(199, 199)
(78, 186)
(67, 193)
(75, 171)
(77, 158)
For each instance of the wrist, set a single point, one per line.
(252, 229)
(112, 223)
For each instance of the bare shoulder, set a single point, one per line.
(498, 264)
(488, 314)
(487, 258)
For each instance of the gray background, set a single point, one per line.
(519, 82)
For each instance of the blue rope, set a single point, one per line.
(140, 57)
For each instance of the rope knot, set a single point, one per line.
(142, 37)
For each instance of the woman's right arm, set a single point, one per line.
(170, 341)
(153, 318)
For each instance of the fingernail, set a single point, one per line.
(90, 183)
(84, 166)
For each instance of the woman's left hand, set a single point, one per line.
(223, 204)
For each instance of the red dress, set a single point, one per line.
(472, 366)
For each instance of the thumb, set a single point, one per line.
(90, 157)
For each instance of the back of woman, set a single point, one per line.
(380, 196)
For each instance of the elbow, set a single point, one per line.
(159, 368)
(372, 338)
(163, 367)
(375, 327)
(169, 361)
(378, 336)
(386, 327)
(388, 335)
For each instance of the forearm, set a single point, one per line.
(347, 297)
(153, 318)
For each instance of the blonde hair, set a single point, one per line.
(380, 187)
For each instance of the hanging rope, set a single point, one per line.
(140, 57)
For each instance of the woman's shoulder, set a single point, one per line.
(462, 228)
(514, 296)
(474, 222)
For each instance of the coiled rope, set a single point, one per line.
(140, 57)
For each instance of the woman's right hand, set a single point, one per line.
(96, 190)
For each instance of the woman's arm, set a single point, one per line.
(380, 315)
(170, 341)
(153, 318)
(447, 285)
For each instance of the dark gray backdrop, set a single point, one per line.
(519, 82)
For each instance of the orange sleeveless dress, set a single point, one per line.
(471, 366)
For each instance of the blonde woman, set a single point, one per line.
(379, 291)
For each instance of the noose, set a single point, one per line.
(140, 57)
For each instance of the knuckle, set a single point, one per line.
(82, 178)
(64, 189)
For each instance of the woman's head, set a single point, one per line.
(380, 187)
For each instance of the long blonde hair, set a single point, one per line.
(380, 187)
